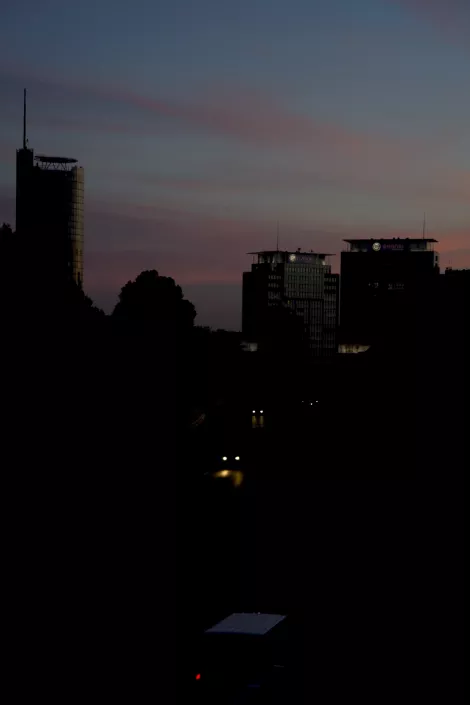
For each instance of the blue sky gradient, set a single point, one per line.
(201, 124)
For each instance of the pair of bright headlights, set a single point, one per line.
(237, 457)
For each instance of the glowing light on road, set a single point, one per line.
(236, 476)
(237, 457)
(198, 676)
(224, 458)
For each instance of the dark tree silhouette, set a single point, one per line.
(283, 334)
(29, 293)
(79, 305)
(5, 232)
(7, 246)
(155, 302)
(8, 270)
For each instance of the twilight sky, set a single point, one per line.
(200, 124)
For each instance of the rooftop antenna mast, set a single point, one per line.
(277, 239)
(25, 141)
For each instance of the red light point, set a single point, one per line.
(198, 676)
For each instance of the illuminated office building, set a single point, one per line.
(299, 285)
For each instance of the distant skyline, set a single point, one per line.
(200, 125)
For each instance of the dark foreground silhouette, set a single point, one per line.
(118, 551)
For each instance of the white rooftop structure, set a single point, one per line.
(247, 623)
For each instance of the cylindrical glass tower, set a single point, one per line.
(75, 223)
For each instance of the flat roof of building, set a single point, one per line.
(391, 239)
(291, 252)
(55, 160)
(243, 623)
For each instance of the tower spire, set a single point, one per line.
(25, 141)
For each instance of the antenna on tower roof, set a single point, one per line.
(25, 141)
(277, 239)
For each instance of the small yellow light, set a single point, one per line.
(224, 458)
(237, 457)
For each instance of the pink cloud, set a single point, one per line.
(196, 248)
(457, 259)
(239, 114)
(452, 187)
(454, 239)
(74, 125)
(265, 122)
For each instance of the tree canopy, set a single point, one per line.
(156, 302)
(5, 230)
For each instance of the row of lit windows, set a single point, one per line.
(304, 284)
(308, 294)
(304, 278)
(301, 268)
(300, 292)
(390, 285)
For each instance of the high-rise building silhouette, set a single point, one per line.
(387, 289)
(49, 214)
(291, 294)
(454, 321)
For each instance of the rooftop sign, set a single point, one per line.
(301, 258)
(389, 246)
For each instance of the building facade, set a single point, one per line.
(49, 215)
(454, 318)
(291, 294)
(386, 288)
